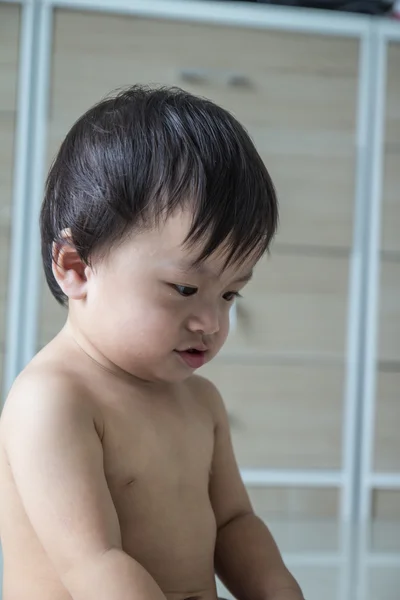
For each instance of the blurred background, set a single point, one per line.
(311, 371)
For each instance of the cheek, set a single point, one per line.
(128, 332)
(224, 327)
(133, 310)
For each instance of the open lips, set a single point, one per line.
(193, 357)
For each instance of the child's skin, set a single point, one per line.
(118, 479)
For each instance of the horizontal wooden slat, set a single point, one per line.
(296, 94)
(283, 416)
(311, 53)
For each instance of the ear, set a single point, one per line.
(69, 270)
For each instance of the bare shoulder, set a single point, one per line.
(207, 394)
(54, 452)
(47, 391)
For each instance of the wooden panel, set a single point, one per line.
(295, 305)
(387, 439)
(9, 34)
(295, 93)
(282, 416)
(391, 204)
(389, 323)
(219, 54)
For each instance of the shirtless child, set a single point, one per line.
(118, 479)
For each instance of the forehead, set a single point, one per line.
(164, 247)
(184, 256)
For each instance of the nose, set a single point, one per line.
(206, 320)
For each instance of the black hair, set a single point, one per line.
(138, 155)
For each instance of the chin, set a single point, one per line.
(161, 375)
(162, 370)
(175, 377)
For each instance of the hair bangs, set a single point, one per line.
(235, 210)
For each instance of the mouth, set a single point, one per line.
(193, 357)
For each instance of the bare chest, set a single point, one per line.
(157, 464)
(162, 445)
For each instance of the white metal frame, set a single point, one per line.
(14, 330)
(384, 33)
(356, 479)
(372, 282)
(24, 271)
(242, 15)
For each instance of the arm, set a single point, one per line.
(56, 458)
(247, 558)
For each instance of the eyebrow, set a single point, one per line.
(187, 266)
(245, 278)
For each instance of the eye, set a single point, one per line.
(229, 296)
(185, 290)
